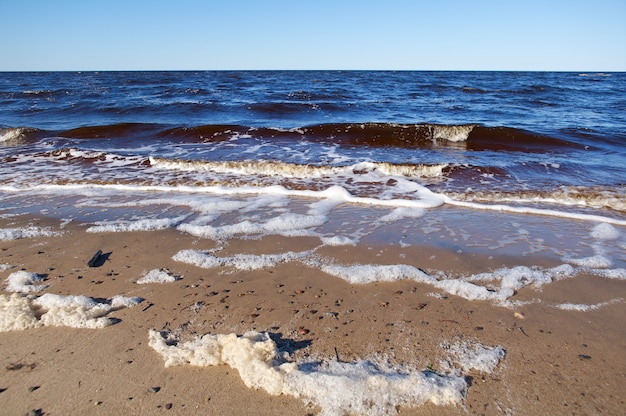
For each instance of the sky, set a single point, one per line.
(537, 35)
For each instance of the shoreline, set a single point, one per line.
(557, 361)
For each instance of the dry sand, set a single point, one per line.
(557, 362)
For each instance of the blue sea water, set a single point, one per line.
(552, 138)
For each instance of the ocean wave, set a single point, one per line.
(368, 134)
(15, 134)
(292, 170)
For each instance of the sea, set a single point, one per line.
(463, 156)
(524, 166)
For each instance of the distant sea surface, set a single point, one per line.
(525, 140)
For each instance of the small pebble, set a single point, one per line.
(168, 406)
(154, 389)
(584, 356)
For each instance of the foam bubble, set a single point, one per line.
(337, 388)
(5, 267)
(7, 234)
(24, 282)
(158, 276)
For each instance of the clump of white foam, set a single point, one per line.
(370, 273)
(16, 313)
(5, 267)
(158, 276)
(474, 356)
(401, 213)
(8, 234)
(604, 231)
(338, 240)
(72, 311)
(238, 261)
(121, 302)
(145, 224)
(336, 387)
(19, 312)
(593, 262)
(585, 308)
(513, 279)
(24, 282)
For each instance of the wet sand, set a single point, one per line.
(557, 361)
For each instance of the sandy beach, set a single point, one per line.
(553, 361)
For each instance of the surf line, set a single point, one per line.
(534, 211)
(427, 199)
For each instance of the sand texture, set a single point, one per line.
(553, 361)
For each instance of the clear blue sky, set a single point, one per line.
(318, 34)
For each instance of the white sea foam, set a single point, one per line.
(533, 211)
(73, 311)
(473, 356)
(4, 267)
(604, 231)
(510, 279)
(146, 224)
(121, 302)
(338, 240)
(617, 274)
(7, 234)
(452, 133)
(16, 313)
(238, 261)
(158, 276)
(584, 307)
(292, 170)
(594, 262)
(288, 224)
(19, 312)
(24, 282)
(370, 273)
(401, 213)
(11, 134)
(337, 388)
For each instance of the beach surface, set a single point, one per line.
(558, 348)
